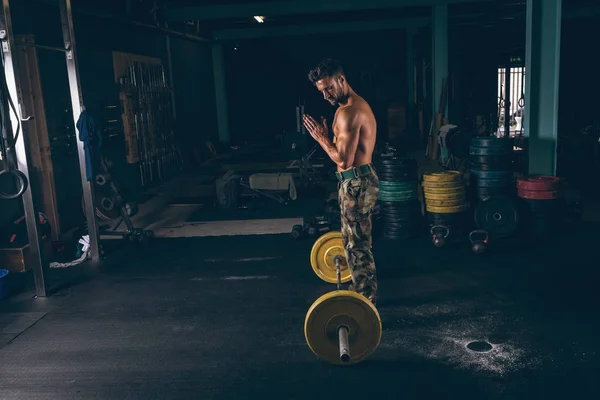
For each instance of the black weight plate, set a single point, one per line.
(500, 191)
(397, 160)
(403, 209)
(458, 144)
(543, 205)
(491, 141)
(491, 174)
(402, 221)
(391, 236)
(490, 166)
(488, 151)
(401, 212)
(505, 159)
(400, 231)
(401, 228)
(498, 216)
(398, 217)
(397, 171)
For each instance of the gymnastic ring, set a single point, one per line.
(22, 184)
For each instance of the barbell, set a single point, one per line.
(341, 327)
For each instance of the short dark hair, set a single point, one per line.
(325, 69)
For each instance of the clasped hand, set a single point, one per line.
(319, 131)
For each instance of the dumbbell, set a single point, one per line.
(341, 327)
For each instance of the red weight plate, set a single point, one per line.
(540, 194)
(539, 182)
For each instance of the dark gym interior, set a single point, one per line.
(168, 225)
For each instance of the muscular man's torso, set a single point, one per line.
(367, 133)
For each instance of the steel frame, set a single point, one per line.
(38, 262)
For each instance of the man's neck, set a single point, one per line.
(348, 100)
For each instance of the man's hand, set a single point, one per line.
(319, 131)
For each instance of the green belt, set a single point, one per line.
(354, 172)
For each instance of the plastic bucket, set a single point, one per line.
(3, 285)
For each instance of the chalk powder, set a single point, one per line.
(442, 332)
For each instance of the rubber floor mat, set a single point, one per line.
(13, 324)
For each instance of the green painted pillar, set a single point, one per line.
(411, 100)
(542, 62)
(220, 93)
(440, 54)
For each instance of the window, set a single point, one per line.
(514, 99)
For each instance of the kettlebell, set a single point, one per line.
(439, 233)
(479, 239)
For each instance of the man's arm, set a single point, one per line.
(343, 149)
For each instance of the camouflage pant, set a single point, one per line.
(357, 198)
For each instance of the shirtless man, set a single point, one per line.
(354, 134)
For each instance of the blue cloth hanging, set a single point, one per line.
(91, 136)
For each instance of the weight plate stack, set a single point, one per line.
(491, 167)
(542, 204)
(445, 200)
(398, 196)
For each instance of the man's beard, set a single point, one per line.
(339, 98)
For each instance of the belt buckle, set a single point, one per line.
(355, 170)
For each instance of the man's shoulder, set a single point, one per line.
(355, 112)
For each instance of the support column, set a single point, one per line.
(170, 65)
(220, 92)
(542, 62)
(77, 106)
(18, 127)
(411, 83)
(440, 54)
(439, 59)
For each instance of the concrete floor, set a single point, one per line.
(216, 311)
(222, 318)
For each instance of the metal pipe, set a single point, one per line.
(344, 345)
(37, 260)
(77, 106)
(41, 46)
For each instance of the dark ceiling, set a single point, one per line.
(206, 18)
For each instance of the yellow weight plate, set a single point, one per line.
(342, 308)
(451, 184)
(323, 251)
(445, 196)
(446, 210)
(445, 203)
(460, 189)
(444, 176)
